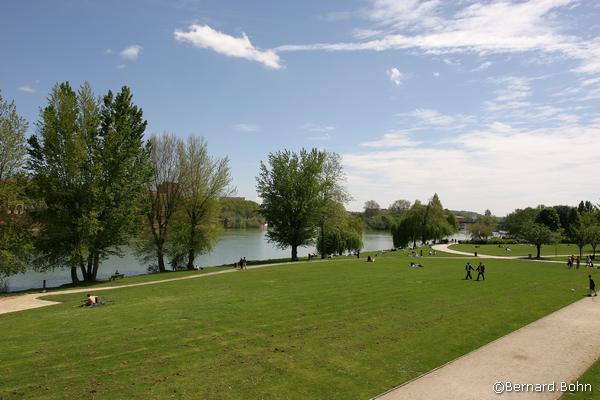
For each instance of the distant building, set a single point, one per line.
(463, 223)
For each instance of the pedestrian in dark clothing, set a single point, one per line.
(592, 287)
(468, 268)
(480, 272)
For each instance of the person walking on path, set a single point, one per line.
(592, 287)
(480, 271)
(577, 261)
(468, 268)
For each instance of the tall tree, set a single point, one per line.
(371, 208)
(549, 217)
(15, 232)
(12, 139)
(204, 180)
(290, 186)
(59, 164)
(162, 197)
(332, 194)
(89, 165)
(399, 206)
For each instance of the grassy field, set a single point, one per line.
(592, 376)
(340, 329)
(521, 249)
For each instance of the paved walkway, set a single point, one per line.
(32, 300)
(557, 348)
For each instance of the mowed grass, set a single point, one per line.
(521, 249)
(340, 329)
(592, 377)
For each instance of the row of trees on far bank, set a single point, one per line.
(547, 225)
(424, 222)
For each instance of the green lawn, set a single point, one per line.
(521, 249)
(340, 329)
(592, 376)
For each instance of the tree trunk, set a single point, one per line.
(294, 252)
(580, 252)
(96, 263)
(74, 277)
(539, 250)
(161, 259)
(323, 255)
(191, 257)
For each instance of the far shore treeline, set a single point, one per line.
(90, 180)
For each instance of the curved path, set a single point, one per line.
(557, 348)
(446, 249)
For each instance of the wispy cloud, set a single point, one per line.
(205, 37)
(243, 127)
(27, 89)
(131, 52)
(316, 127)
(396, 76)
(391, 140)
(482, 28)
(121, 66)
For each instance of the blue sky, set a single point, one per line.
(492, 104)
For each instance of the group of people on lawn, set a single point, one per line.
(572, 260)
(480, 271)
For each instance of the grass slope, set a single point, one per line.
(341, 329)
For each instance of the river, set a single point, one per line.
(233, 244)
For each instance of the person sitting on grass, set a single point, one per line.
(370, 259)
(415, 265)
(592, 287)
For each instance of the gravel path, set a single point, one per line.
(557, 348)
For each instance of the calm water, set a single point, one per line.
(233, 245)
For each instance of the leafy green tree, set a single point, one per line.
(438, 222)
(12, 140)
(371, 208)
(15, 229)
(520, 219)
(89, 164)
(238, 213)
(586, 207)
(480, 231)
(410, 227)
(204, 180)
(593, 238)
(399, 206)
(342, 233)
(549, 217)
(538, 235)
(289, 185)
(162, 197)
(332, 195)
(61, 165)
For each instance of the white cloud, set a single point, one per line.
(436, 74)
(203, 36)
(391, 140)
(483, 168)
(395, 76)
(121, 66)
(362, 34)
(27, 89)
(427, 118)
(440, 27)
(483, 66)
(108, 51)
(246, 127)
(314, 127)
(132, 52)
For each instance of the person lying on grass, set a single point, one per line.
(90, 301)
